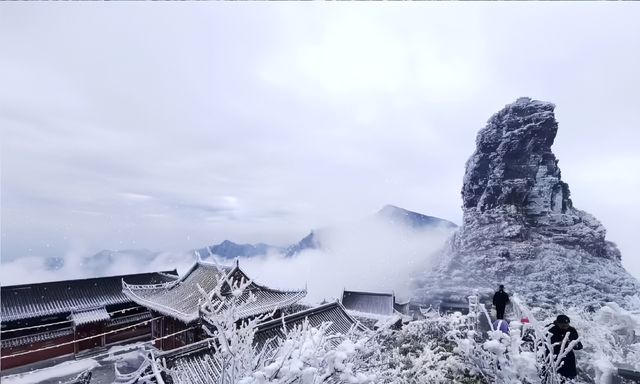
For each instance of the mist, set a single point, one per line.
(76, 264)
(376, 255)
(367, 255)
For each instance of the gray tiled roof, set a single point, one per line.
(181, 299)
(130, 319)
(369, 302)
(200, 364)
(90, 316)
(35, 338)
(60, 297)
(333, 313)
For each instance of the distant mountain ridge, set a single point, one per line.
(102, 261)
(230, 250)
(310, 241)
(390, 214)
(413, 219)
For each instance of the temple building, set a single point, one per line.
(66, 318)
(175, 305)
(375, 309)
(46, 320)
(369, 303)
(200, 363)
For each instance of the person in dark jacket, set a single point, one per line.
(561, 326)
(500, 300)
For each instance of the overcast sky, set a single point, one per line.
(171, 126)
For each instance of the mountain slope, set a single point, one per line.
(412, 219)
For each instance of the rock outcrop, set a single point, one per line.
(520, 227)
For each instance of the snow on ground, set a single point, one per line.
(124, 352)
(68, 368)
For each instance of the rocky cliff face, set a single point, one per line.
(519, 225)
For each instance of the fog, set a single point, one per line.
(373, 256)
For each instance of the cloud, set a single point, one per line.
(358, 53)
(373, 256)
(75, 264)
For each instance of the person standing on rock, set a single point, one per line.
(500, 300)
(558, 332)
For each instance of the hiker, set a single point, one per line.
(560, 328)
(500, 300)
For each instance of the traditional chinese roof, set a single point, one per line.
(62, 297)
(35, 338)
(403, 308)
(180, 299)
(91, 316)
(333, 313)
(199, 363)
(130, 319)
(375, 303)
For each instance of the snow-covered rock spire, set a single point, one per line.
(520, 227)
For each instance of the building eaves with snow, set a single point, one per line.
(51, 319)
(371, 303)
(28, 301)
(200, 363)
(181, 299)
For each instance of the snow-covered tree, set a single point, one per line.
(233, 335)
(305, 354)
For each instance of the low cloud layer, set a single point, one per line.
(370, 255)
(373, 256)
(77, 265)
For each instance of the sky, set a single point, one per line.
(171, 126)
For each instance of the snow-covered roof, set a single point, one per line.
(62, 297)
(402, 307)
(35, 338)
(199, 363)
(376, 303)
(180, 299)
(334, 313)
(91, 316)
(201, 366)
(130, 319)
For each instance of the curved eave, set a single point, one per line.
(294, 298)
(163, 309)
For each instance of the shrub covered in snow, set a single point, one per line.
(439, 349)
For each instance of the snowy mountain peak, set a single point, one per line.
(230, 250)
(513, 177)
(395, 216)
(519, 224)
